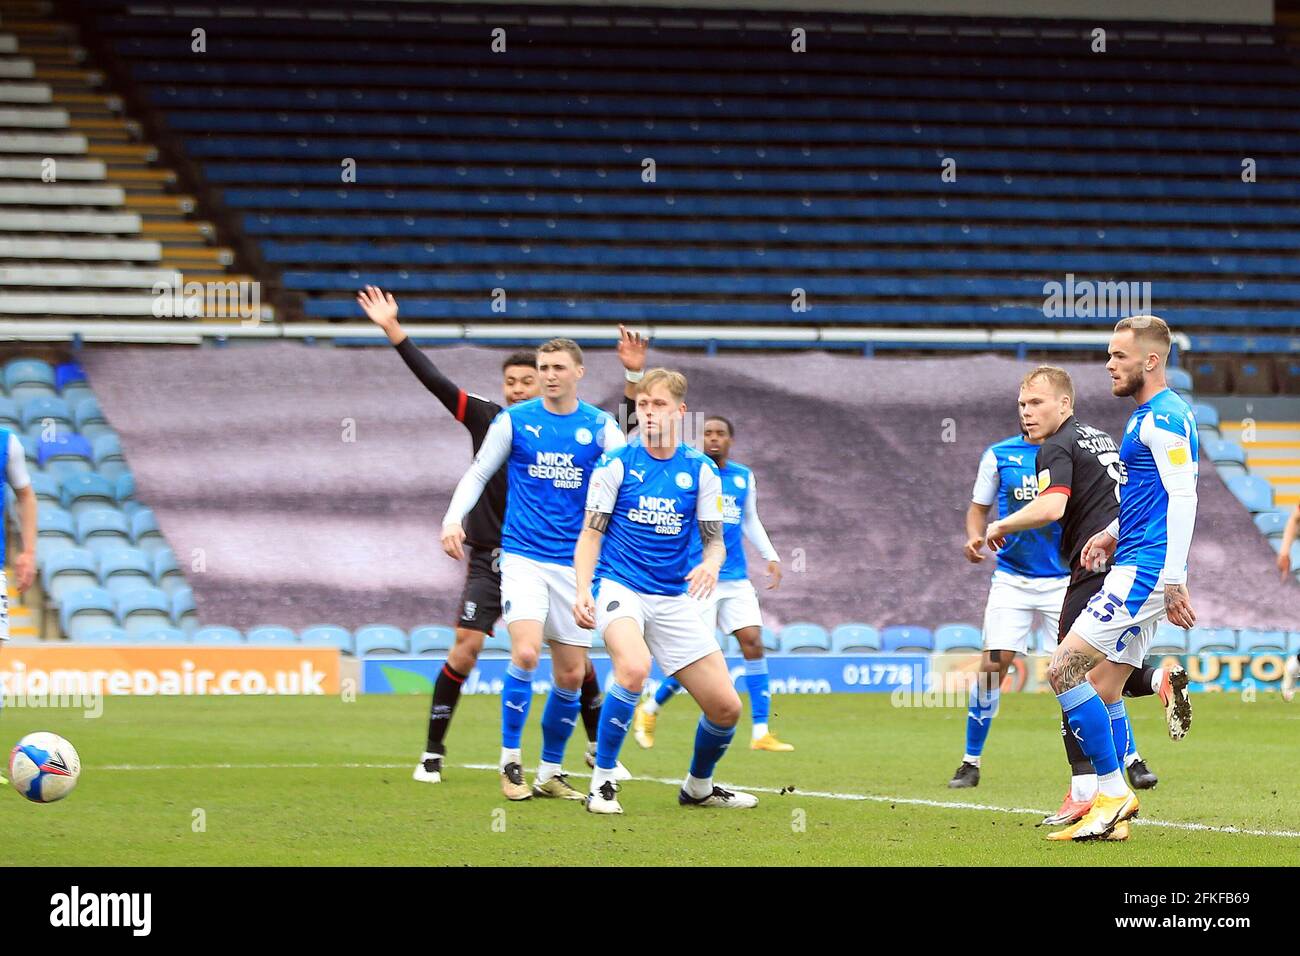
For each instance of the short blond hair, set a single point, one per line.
(562, 345)
(675, 382)
(1151, 330)
(1055, 376)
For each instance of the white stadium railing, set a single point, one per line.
(115, 250)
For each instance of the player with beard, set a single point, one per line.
(1078, 485)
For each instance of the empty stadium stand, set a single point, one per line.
(773, 170)
(92, 223)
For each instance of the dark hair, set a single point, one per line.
(731, 429)
(526, 359)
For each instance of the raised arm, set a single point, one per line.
(493, 453)
(381, 309)
(982, 497)
(632, 347)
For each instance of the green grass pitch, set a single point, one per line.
(284, 781)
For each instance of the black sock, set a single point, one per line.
(1139, 682)
(592, 701)
(1079, 762)
(446, 691)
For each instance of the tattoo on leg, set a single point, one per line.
(1071, 668)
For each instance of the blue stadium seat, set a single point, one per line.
(47, 489)
(381, 639)
(903, 639)
(1271, 524)
(1207, 416)
(1249, 639)
(66, 454)
(166, 572)
(124, 487)
(1293, 642)
(31, 449)
(86, 610)
(143, 611)
(1227, 471)
(324, 635)
(145, 532)
(217, 635)
(159, 635)
(109, 460)
(185, 613)
(68, 373)
(29, 378)
(68, 570)
(102, 530)
(89, 419)
(1255, 493)
(104, 635)
(1203, 639)
(125, 570)
(1223, 451)
(55, 529)
(86, 491)
(958, 637)
(1168, 639)
(854, 639)
(804, 639)
(498, 642)
(432, 639)
(11, 416)
(40, 410)
(729, 643)
(279, 636)
(1178, 378)
(771, 639)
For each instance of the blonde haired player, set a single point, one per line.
(635, 584)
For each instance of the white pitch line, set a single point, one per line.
(675, 782)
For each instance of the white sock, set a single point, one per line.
(545, 771)
(1131, 759)
(1112, 784)
(599, 776)
(760, 730)
(973, 761)
(1292, 667)
(697, 788)
(510, 755)
(1157, 678)
(1083, 787)
(651, 706)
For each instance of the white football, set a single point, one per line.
(44, 767)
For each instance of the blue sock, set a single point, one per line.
(711, 742)
(670, 686)
(558, 720)
(760, 698)
(1089, 721)
(1132, 744)
(979, 716)
(516, 697)
(1119, 729)
(615, 719)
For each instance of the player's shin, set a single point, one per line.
(446, 694)
(663, 693)
(558, 720)
(1090, 723)
(981, 710)
(516, 698)
(592, 701)
(760, 697)
(615, 720)
(1143, 682)
(1119, 729)
(711, 742)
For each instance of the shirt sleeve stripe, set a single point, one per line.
(1058, 489)
(462, 400)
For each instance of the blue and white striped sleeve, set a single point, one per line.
(1172, 450)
